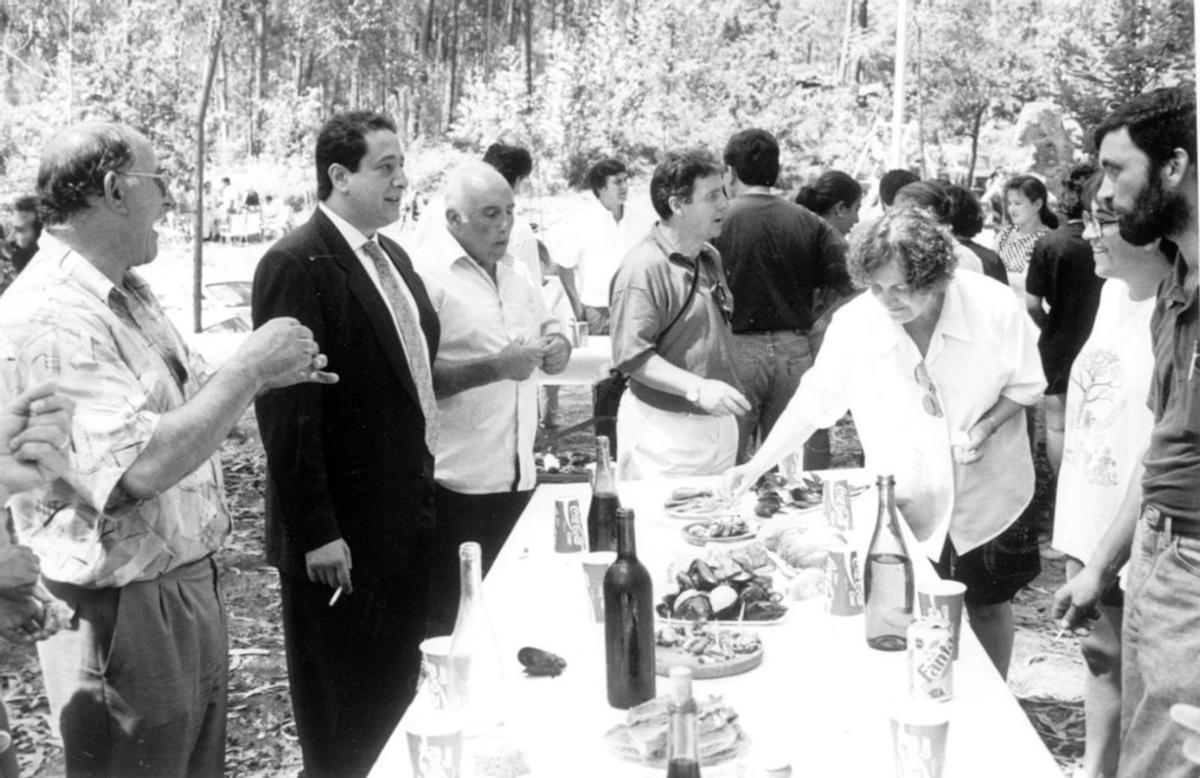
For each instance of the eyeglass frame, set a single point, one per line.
(159, 178)
(1091, 220)
(929, 401)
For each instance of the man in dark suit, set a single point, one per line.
(350, 489)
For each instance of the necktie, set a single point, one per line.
(412, 335)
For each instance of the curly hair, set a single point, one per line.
(909, 236)
(75, 165)
(676, 176)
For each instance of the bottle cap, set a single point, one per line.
(681, 685)
(470, 550)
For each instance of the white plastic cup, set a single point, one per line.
(944, 599)
(595, 565)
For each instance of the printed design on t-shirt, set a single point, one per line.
(1095, 404)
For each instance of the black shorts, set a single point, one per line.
(994, 572)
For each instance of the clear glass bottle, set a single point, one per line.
(602, 513)
(683, 736)
(628, 622)
(475, 667)
(888, 582)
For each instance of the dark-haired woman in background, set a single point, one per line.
(966, 221)
(835, 197)
(931, 196)
(1029, 218)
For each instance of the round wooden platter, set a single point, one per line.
(666, 658)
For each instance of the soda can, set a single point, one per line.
(836, 496)
(568, 526)
(930, 659)
(843, 583)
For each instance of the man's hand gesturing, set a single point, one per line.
(282, 353)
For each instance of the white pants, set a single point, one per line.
(659, 444)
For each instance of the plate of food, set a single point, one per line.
(693, 503)
(708, 650)
(728, 529)
(777, 495)
(728, 585)
(642, 737)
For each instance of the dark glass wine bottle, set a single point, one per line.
(602, 515)
(888, 578)
(683, 736)
(628, 622)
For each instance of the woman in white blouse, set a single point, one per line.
(935, 367)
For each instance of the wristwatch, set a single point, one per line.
(693, 394)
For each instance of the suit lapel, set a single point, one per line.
(364, 290)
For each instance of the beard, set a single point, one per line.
(1157, 213)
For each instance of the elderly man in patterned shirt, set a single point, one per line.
(137, 680)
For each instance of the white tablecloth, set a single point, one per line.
(820, 697)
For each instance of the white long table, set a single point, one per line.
(821, 698)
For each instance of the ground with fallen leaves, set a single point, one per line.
(261, 732)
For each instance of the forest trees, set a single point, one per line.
(572, 78)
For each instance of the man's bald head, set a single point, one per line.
(479, 211)
(76, 162)
(468, 182)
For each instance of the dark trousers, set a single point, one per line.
(140, 684)
(352, 668)
(484, 518)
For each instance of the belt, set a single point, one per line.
(1171, 526)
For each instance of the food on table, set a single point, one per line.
(537, 661)
(709, 650)
(721, 585)
(775, 493)
(688, 502)
(643, 736)
(803, 546)
(807, 584)
(720, 530)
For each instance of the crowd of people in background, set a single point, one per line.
(395, 378)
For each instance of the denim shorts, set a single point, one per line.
(1160, 644)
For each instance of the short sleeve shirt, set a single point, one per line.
(649, 290)
(112, 350)
(778, 256)
(1172, 479)
(1063, 273)
(485, 444)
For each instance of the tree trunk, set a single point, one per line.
(260, 74)
(529, 47)
(214, 50)
(452, 101)
(843, 62)
(975, 127)
(487, 39)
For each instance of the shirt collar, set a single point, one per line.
(445, 250)
(88, 276)
(351, 233)
(1175, 295)
(953, 321)
(668, 247)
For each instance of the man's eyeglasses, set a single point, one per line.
(930, 400)
(159, 178)
(1098, 222)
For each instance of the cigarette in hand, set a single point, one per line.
(337, 595)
